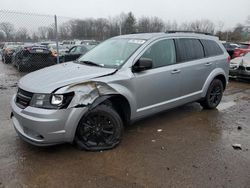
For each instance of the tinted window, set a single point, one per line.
(162, 53)
(211, 48)
(189, 49)
(72, 50)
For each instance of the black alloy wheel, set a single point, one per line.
(100, 129)
(214, 95)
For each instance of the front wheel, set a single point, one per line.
(214, 95)
(100, 129)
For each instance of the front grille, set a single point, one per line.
(248, 68)
(23, 98)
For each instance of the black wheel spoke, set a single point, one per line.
(215, 95)
(108, 132)
(97, 130)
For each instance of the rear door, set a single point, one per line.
(195, 68)
(213, 52)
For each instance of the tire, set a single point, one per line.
(214, 95)
(100, 129)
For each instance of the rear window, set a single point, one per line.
(211, 48)
(188, 49)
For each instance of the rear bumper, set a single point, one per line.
(34, 65)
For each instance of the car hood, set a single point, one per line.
(51, 78)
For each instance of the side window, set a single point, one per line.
(211, 48)
(83, 50)
(189, 49)
(162, 53)
(72, 50)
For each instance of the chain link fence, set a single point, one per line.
(33, 41)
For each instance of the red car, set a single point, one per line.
(243, 49)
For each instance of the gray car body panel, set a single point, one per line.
(144, 94)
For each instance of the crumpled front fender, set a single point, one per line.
(87, 92)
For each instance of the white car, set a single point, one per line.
(240, 66)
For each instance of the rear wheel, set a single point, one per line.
(214, 95)
(100, 129)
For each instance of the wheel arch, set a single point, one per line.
(118, 102)
(216, 74)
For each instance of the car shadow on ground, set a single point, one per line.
(152, 123)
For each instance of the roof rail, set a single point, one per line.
(180, 31)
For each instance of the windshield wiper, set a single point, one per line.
(92, 63)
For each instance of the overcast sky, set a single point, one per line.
(230, 12)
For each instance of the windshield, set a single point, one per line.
(113, 52)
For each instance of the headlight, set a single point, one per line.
(57, 100)
(51, 101)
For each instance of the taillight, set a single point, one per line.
(228, 59)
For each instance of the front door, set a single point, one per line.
(157, 88)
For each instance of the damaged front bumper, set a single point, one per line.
(43, 127)
(240, 72)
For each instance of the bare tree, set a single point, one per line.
(42, 32)
(21, 34)
(170, 26)
(2, 36)
(153, 24)
(65, 30)
(156, 24)
(8, 29)
(202, 26)
(144, 25)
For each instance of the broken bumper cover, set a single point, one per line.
(42, 127)
(240, 73)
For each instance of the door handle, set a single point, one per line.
(175, 71)
(208, 64)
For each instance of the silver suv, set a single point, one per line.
(123, 79)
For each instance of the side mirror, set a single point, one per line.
(142, 64)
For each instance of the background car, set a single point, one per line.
(70, 43)
(30, 58)
(243, 49)
(240, 66)
(8, 52)
(17, 55)
(62, 49)
(230, 47)
(75, 52)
